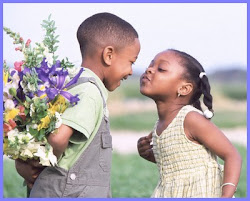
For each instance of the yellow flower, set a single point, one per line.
(43, 96)
(5, 77)
(42, 88)
(5, 145)
(11, 114)
(44, 123)
(59, 106)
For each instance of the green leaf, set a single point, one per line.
(33, 132)
(41, 134)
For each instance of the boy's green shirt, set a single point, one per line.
(85, 118)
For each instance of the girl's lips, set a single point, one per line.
(144, 77)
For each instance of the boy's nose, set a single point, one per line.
(131, 72)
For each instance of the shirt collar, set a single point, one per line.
(90, 73)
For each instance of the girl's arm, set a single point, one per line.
(145, 149)
(59, 139)
(201, 130)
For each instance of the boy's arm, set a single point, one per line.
(145, 149)
(59, 139)
(206, 133)
(29, 170)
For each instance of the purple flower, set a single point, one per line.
(24, 72)
(58, 86)
(44, 72)
(20, 93)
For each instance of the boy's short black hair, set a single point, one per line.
(104, 29)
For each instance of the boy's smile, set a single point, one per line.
(121, 66)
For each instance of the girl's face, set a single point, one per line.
(163, 77)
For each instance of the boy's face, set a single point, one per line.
(121, 66)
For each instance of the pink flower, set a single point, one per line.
(21, 39)
(6, 128)
(18, 65)
(21, 108)
(12, 123)
(18, 49)
(27, 44)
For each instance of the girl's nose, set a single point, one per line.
(149, 70)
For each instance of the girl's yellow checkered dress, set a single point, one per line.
(186, 169)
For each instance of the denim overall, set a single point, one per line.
(89, 177)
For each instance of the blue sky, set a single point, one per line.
(214, 33)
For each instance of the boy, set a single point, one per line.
(83, 144)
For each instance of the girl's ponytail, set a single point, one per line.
(197, 105)
(195, 73)
(207, 97)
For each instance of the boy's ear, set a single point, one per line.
(185, 89)
(107, 55)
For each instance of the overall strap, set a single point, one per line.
(93, 81)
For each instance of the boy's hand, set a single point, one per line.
(145, 148)
(29, 170)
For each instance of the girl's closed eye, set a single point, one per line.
(160, 69)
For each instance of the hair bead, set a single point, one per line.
(202, 74)
(208, 114)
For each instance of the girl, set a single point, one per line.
(185, 142)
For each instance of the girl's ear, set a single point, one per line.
(107, 55)
(185, 89)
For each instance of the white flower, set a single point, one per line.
(9, 104)
(46, 158)
(73, 71)
(24, 86)
(14, 85)
(42, 156)
(34, 126)
(31, 87)
(26, 153)
(25, 138)
(20, 137)
(15, 77)
(48, 56)
(49, 59)
(32, 109)
(42, 45)
(33, 146)
(12, 135)
(58, 120)
(6, 88)
(42, 87)
(52, 157)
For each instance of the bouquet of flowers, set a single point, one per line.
(35, 96)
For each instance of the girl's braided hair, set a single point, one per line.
(201, 85)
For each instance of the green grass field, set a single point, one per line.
(146, 120)
(132, 177)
